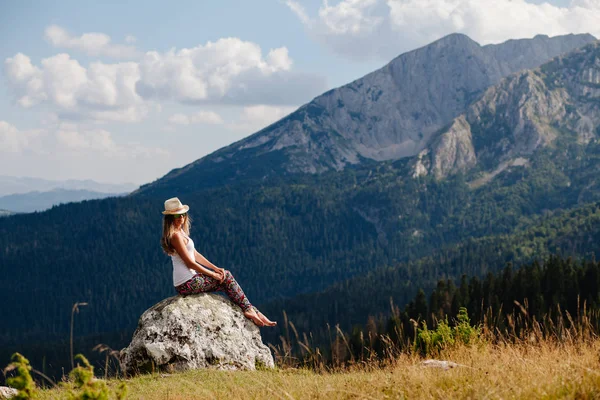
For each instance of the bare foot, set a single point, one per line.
(264, 319)
(251, 314)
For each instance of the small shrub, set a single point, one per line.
(259, 365)
(22, 381)
(88, 388)
(464, 333)
(430, 342)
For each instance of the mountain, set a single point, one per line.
(531, 109)
(387, 115)
(290, 234)
(40, 201)
(14, 185)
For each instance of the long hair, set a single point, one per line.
(169, 229)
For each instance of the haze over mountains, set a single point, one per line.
(339, 191)
(14, 185)
(40, 201)
(26, 194)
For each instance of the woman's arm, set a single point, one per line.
(200, 259)
(179, 246)
(204, 261)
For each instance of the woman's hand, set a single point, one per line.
(219, 274)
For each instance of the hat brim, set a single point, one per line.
(180, 210)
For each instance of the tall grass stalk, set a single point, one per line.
(73, 311)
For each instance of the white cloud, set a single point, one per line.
(228, 71)
(221, 71)
(93, 44)
(85, 139)
(299, 11)
(130, 39)
(13, 140)
(67, 137)
(350, 17)
(27, 79)
(179, 119)
(383, 29)
(78, 151)
(71, 137)
(100, 92)
(200, 117)
(253, 118)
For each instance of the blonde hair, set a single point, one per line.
(168, 231)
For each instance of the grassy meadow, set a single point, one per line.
(548, 369)
(553, 358)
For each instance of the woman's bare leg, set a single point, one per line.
(264, 319)
(253, 316)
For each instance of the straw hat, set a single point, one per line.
(174, 206)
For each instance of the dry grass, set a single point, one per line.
(547, 370)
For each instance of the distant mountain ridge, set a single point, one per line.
(14, 185)
(40, 201)
(389, 114)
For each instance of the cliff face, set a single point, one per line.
(389, 114)
(524, 112)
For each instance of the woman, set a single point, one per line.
(192, 272)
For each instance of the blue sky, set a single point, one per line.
(124, 91)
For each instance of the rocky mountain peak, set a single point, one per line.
(452, 40)
(522, 113)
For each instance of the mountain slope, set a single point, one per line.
(526, 111)
(574, 233)
(386, 115)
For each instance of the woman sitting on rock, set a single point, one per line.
(192, 272)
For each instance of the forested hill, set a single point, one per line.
(571, 234)
(388, 114)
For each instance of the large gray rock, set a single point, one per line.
(191, 332)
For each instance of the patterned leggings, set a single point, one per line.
(200, 283)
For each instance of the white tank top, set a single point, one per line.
(181, 272)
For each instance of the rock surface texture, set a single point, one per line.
(193, 332)
(7, 392)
